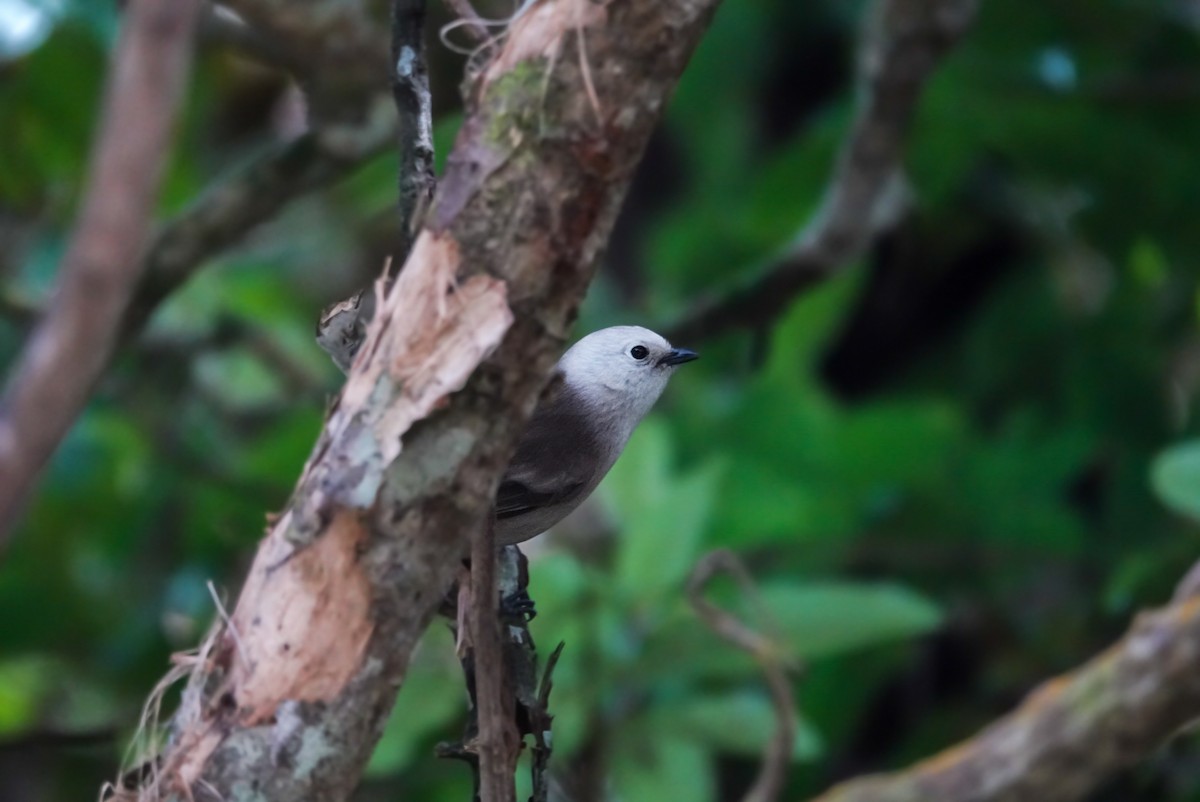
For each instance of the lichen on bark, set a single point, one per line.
(460, 347)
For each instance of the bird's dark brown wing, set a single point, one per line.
(515, 498)
(556, 459)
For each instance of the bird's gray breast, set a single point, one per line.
(560, 459)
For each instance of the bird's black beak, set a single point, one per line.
(677, 356)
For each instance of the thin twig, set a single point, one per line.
(226, 620)
(526, 696)
(497, 743)
(414, 104)
(68, 351)
(771, 776)
(342, 326)
(904, 42)
(540, 722)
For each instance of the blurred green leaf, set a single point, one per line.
(24, 684)
(829, 618)
(1175, 476)
(740, 723)
(663, 515)
(665, 768)
(430, 699)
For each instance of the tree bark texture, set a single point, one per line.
(291, 695)
(1071, 734)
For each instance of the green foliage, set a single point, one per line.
(953, 470)
(1176, 478)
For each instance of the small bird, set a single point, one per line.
(610, 380)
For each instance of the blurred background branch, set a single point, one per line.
(223, 28)
(226, 211)
(932, 464)
(770, 655)
(72, 343)
(338, 53)
(903, 43)
(1073, 733)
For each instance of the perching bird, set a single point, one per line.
(610, 379)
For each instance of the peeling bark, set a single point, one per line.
(407, 466)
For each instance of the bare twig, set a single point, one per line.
(904, 41)
(69, 349)
(525, 697)
(539, 725)
(414, 104)
(1075, 731)
(773, 773)
(497, 742)
(343, 325)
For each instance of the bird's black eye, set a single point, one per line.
(639, 352)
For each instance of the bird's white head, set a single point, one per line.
(623, 369)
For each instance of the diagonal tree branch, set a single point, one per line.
(1075, 731)
(290, 694)
(227, 211)
(68, 351)
(221, 26)
(903, 43)
(333, 47)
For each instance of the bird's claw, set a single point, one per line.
(518, 604)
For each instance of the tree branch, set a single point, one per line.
(497, 743)
(903, 43)
(1075, 731)
(291, 693)
(228, 210)
(343, 325)
(333, 48)
(221, 26)
(68, 351)
(410, 90)
(221, 216)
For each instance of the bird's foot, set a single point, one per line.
(518, 604)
